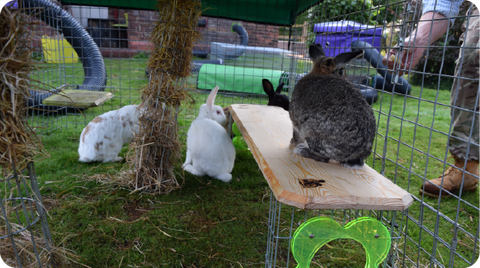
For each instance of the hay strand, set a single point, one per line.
(26, 248)
(18, 142)
(156, 149)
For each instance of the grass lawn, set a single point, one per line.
(208, 223)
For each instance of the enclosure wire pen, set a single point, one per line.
(413, 130)
(103, 38)
(62, 71)
(48, 77)
(25, 239)
(392, 165)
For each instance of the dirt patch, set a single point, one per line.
(127, 244)
(135, 210)
(196, 222)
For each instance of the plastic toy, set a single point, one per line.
(237, 141)
(314, 233)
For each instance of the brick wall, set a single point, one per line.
(140, 25)
(219, 30)
(142, 22)
(42, 29)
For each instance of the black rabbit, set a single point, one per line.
(274, 97)
(331, 119)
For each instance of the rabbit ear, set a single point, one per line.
(279, 88)
(315, 51)
(211, 98)
(268, 87)
(344, 58)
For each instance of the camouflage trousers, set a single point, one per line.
(463, 141)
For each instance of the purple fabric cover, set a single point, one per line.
(340, 35)
(11, 4)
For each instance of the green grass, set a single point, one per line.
(407, 167)
(208, 223)
(125, 80)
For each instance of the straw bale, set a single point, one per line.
(18, 142)
(156, 149)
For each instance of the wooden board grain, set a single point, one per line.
(267, 130)
(78, 98)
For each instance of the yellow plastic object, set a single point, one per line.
(126, 22)
(58, 50)
(314, 233)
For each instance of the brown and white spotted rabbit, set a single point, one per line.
(331, 119)
(102, 139)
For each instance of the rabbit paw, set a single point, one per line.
(295, 138)
(226, 177)
(84, 159)
(294, 143)
(190, 169)
(303, 151)
(302, 145)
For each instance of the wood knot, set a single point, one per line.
(311, 183)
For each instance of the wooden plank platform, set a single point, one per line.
(267, 130)
(78, 98)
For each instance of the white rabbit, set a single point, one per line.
(210, 150)
(103, 138)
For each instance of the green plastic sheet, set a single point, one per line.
(238, 79)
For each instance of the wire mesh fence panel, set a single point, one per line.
(418, 116)
(236, 55)
(26, 239)
(90, 47)
(424, 94)
(415, 128)
(49, 75)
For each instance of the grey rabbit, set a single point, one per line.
(331, 119)
(275, 98)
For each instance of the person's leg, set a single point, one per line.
(464, 95)
(464, 139)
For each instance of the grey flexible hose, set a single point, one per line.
(83, 44)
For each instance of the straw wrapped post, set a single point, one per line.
(25, 238)
(18, 143)
(157, 147)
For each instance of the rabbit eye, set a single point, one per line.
(340, 72)
(218, 112)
